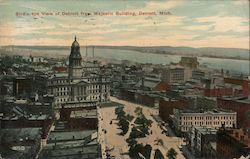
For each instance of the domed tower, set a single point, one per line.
(75, 58)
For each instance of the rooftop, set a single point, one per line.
(238, 99)
(240, 135)
(92, 113)
(60, 75)
(30, 117)
(74, 145)
(176, 67)
(74, 104)
(206, 130)
(148, 82)
(16, 135)
(69, 135)
(212, 112)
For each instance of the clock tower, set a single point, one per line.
(75, 59)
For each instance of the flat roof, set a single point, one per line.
(31, 117)
(92, 113)
(217, 111)
(19, 134)
(205, 130)
(69, 135)
(83, 152)
(238, 99)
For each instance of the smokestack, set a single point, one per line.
(86, 50)
(93, 51)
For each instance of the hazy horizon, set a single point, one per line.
(122, 46)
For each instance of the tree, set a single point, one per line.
(134, 151)
(146, 151)
(160, 142)
(138, 110)
(131, 142)
(171, 154)
(158, 154)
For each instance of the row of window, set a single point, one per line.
(202, 123)
(61, 93)
(207, 117)
(63, 81)
(59, 100)
(66, 88)
(61, 89)
(60, 81)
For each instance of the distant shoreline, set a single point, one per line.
(191, 55)
(151, 50)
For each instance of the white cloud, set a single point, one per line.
(161, 5)
(221, 41)
(19, 28)
(225, 23)
(197, 27)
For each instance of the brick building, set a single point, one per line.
(127, 94)
(243, 83)
(233, 143)
(218, 92)
(167, 105)
(79, 116)
(239, 105)
(146, 99)
(152, 84)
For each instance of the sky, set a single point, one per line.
(193, 23)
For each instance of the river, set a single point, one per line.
(237, 66)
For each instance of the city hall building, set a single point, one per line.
(79, 84)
